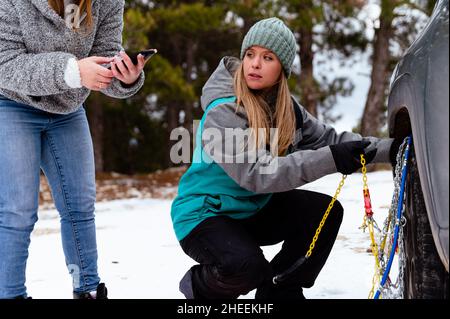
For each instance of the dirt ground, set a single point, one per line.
(161, 184)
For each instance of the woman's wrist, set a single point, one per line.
(126, 85)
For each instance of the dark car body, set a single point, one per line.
(419, 104)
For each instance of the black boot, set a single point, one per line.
(100, 293)
(269, 290)
(186, 285)
(22, 297)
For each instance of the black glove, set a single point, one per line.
(394, 150)
(347, 155)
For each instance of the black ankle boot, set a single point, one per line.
(186, 285)
(22, 297)
(100, 293)
(276, 292)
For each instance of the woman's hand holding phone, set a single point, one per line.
(124, 70)
(93, 75)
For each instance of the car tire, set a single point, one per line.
(425, 276)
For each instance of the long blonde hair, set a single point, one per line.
(85, 6)
(260, 114)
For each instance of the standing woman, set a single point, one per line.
(240, 191)
(52, 54)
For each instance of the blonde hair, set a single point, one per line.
(85, 6)
(260, 114)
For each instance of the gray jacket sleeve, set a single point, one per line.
(224, 137)
(108, 43)
(317, 134)
(258, 171)
(31, 74)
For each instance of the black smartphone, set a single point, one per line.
(146, 53)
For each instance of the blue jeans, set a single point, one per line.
(31, 139)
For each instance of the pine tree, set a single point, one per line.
(397, 29)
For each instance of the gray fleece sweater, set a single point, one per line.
(38, 53)
(309, 159)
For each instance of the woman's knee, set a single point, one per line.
(76, 204)
(338, 210)
(77, 215)
(18, 219)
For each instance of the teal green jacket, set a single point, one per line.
(206, 190)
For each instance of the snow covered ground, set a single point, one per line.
(140, 258)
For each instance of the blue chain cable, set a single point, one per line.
(399, 215)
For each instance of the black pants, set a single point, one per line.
(231, 260)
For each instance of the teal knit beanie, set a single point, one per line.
(274, 35)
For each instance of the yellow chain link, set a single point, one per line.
(368, 222)
(322, 222)
(364, 171)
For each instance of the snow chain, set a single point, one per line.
(278, 278)
(370, 223)
(379, 279)
(325, 216)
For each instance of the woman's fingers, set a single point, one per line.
(129, 64)
(104, 72)
(124, 70)
(141, 63)
(116, 72)
(105, 79)
(101, 60)
(121, 67)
